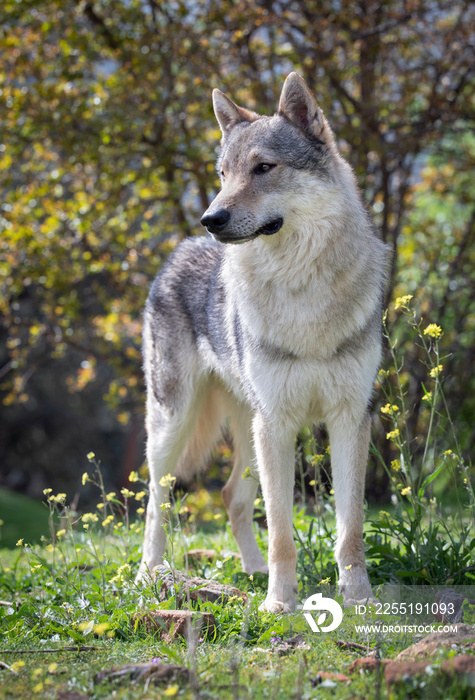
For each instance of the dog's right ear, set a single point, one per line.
(228, 113)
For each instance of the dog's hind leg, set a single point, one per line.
(164, 445)
(239, 494)
(179, 443)
(167, 435)
(349, 441)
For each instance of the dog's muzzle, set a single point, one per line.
(217, 222)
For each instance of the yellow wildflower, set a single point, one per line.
(60, 533)
(47, 491)
(101, 628)
(52, 667)
(167, 480)
(16, 665)
(110, 496)
(20, 543)
(428, 396)
(90, 456)
(140, 495)
(85, 478)
(59, 498)
(396, 464)
(433, 331)
(171, 691)
(389, 409)
(402, 301)
(133, 476)
(406, 491)
(165, 506)
(392, 434)
(90, 518)
(140, 511)
(126, 493)
(349, 567)
(436, 371)
(107, 520)
(85, 625)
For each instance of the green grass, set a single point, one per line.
(69, 593)
(22, 517)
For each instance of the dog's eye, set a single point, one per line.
(263, 168)
(222, 174)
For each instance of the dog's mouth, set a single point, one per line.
(267, 230)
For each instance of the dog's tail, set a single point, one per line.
(207, 431)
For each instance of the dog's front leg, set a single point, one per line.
(349, 441)
(275, 452)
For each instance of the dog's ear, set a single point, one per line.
(299, 106)
(229, 114)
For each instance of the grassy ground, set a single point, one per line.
(79, 591)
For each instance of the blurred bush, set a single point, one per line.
(107, 150)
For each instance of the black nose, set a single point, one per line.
(217, 221)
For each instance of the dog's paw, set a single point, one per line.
(275, 606)
(143, 577)
(351, 602)
(355, 587)
(255, 567)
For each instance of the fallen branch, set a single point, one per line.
(7, 667)
(50, 651)
(354, 646)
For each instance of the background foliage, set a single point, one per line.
(107, 150)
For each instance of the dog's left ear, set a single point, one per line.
(299, 106)
(228, 113)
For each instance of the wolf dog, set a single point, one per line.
(271, 323)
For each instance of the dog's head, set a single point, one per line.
(266, 161)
